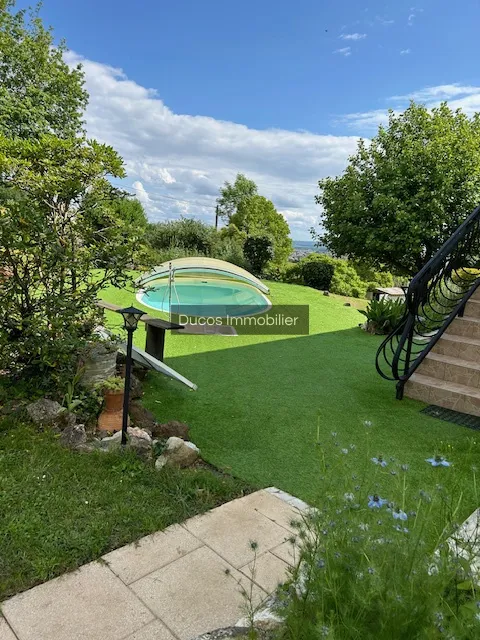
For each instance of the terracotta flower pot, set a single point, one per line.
(111, 417)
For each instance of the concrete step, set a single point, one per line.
(476, 295)
(467, 326)
(449, 395)
(472, 308)
(451, 369)
(462, 347)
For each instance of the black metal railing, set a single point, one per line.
(435, 296)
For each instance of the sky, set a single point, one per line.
(192, 92)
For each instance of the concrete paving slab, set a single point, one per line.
(153, 631)
(273, 508)
(5, 632)
(132, 562)
(195, 594)
(230, 529)
(88, 604)
(288, 552)
(267, 572)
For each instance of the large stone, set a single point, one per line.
(141, 417)
(74, 436)
(136, 388)
(99, 363)
(45, 413)
(137, 439)
(178, 453)
(171, 429)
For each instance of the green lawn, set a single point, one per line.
(259, 397)
(60, 509)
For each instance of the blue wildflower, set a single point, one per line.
(321, 563)
(397, 527)
(380, 461)
(438, 461)
(345, 451)
(375, 502)
(349, 497)
(404, 467)
(371, 570)
(398, 514)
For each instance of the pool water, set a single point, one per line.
(197, 297)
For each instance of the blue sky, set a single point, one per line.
(171, 83)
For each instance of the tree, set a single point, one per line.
(233, 195)
(59, 215)
(258, 216)
(258, 251)
(403, 194)
(39, 93)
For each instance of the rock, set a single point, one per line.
(227, 632)
(171, 429)
(99, 363)
(141, 417)
(136, 389)
(178, 453)
(74, 436)
(48, 413)
(326, 293)
(137, 439)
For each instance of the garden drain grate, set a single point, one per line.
(463, 419)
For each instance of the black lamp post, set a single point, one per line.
(131, 316)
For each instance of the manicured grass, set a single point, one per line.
(260, 398)
(60, 509)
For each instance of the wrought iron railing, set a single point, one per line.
(435, 296)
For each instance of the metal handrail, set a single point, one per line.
(435, 296)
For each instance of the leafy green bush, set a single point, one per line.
(317, 274)
(187, 234)
(289, 272)
(258, 250)
(383, 315)
(381, 563)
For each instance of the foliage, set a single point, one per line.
(406, 191)
(345, 280)
(383, 315)
(258, 216)
(53, 192)
(289, 272)
(186, 234)
(233, 195)
(61, 509)
(367, 567)
(39, 92)
(317, 273)
(115, 384)
(258, 251)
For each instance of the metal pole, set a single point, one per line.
(126, 393)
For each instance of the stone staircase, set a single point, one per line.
(450, 374)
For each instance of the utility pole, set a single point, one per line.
(216, 218)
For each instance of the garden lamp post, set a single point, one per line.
(131, 316)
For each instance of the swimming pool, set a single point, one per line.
(205, 297)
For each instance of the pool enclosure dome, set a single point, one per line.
(200, 267)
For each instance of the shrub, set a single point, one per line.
(188, 234)
(317, 274)
(376, 557)
(289, 272)
(383, 315)
(258, 250)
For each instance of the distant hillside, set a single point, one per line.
(302, 248)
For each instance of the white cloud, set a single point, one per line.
(176, 163)
(440, 92)
(465, 97)
(141, 193)
(353, 36)
(405, 52)
(344, 51)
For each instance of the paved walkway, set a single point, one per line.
(171, 585)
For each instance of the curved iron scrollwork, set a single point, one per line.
(435, 296)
